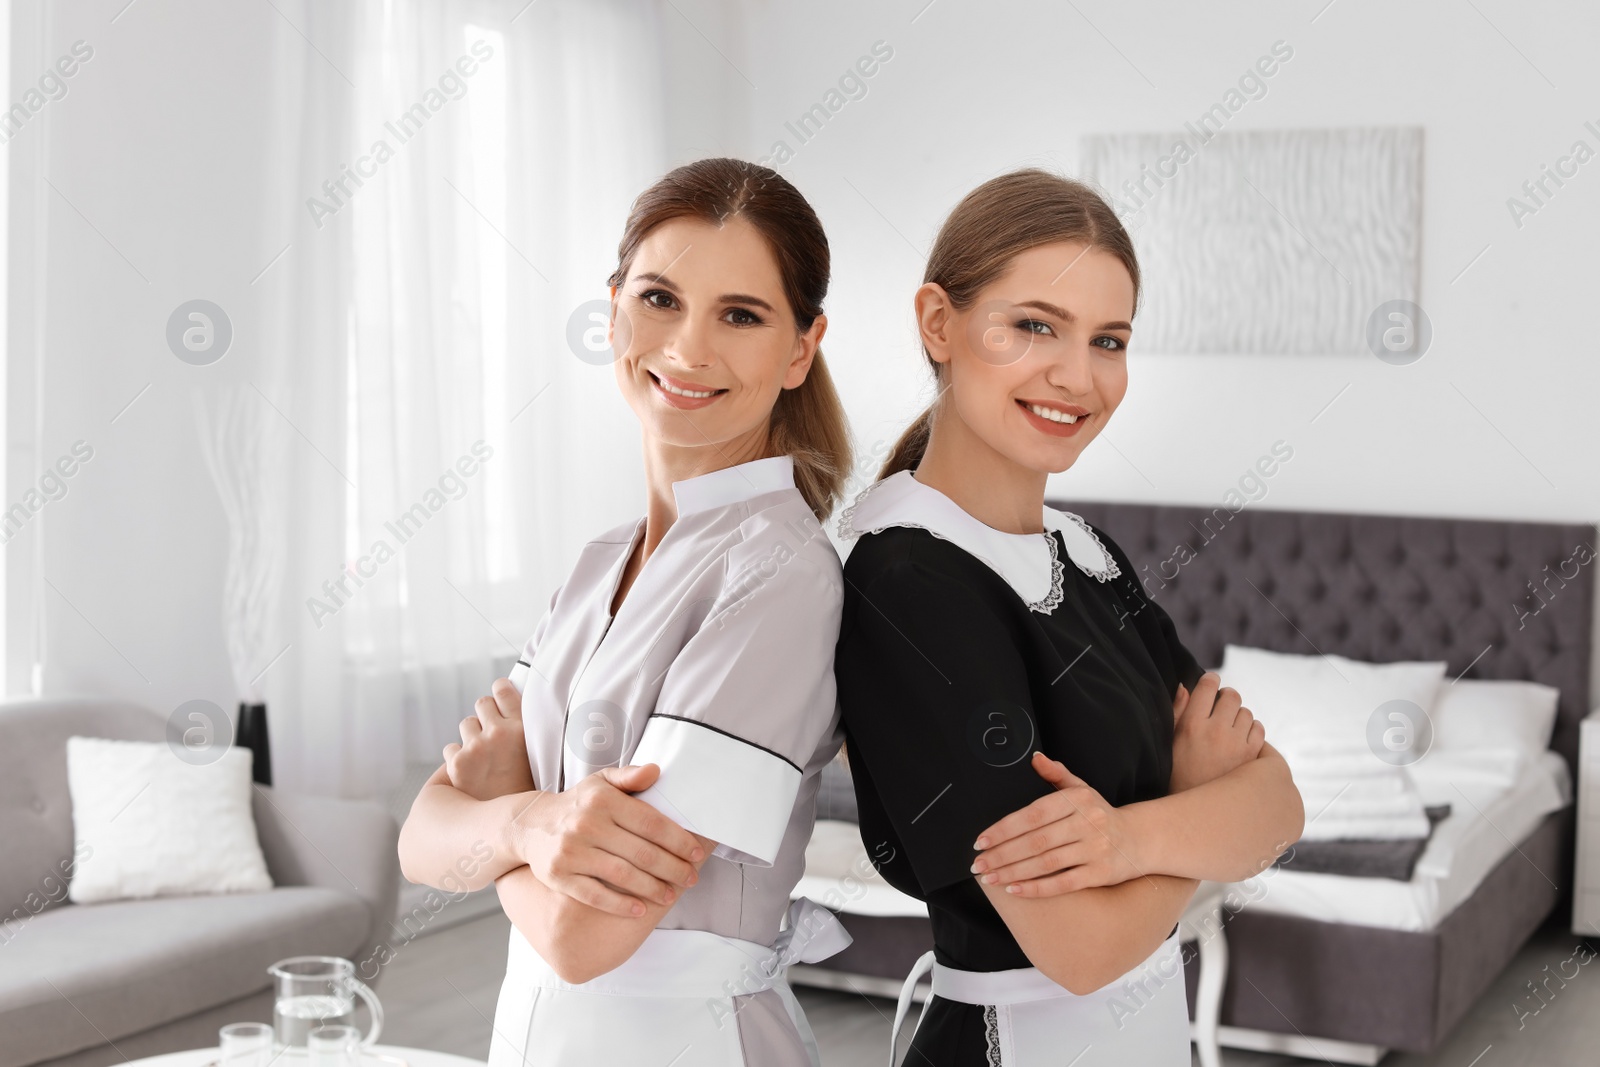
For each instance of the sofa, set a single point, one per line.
(88, 985)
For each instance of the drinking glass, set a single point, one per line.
(333, 1046)
(244, 1045)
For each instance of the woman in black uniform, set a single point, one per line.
(984, 633)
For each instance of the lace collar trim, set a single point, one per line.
(1030, 563)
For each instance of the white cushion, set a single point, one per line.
(1319, 713)
(1490, 729)
(1314, 700)
(149, 824)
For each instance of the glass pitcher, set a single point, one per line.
(318, 991)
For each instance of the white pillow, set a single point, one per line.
(1490, 729)
(153, 825)
(1319, 713)
(1314, 700)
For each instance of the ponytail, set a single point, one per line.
(909, 449)
(808, 423)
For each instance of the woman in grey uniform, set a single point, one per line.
(644, 783)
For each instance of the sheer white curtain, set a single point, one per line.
(461, 172)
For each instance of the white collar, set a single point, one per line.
(1029, 563)
(732, 485)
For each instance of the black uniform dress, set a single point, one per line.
(949, 680)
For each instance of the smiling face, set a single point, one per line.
(705, 337)
(1036, 366)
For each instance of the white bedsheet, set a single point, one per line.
(1485, 821)
(840, 875)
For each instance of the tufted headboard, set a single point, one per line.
(1492, 599)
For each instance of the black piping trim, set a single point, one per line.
(725, 733)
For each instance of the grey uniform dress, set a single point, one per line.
(718, 667)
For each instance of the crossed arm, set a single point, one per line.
(563, 864)
(579, 942)
(1090, 890)
(1233, 809)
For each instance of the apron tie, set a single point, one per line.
(811, 934)
(923, 965)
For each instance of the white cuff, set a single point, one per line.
(518, 677)
(719, 786)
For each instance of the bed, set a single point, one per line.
(1353, 967)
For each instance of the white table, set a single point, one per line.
(414, 1057)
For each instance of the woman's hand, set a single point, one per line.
(594, 842)
(605, 848)
(1212, 733)
(1069, 840)
(492, 758)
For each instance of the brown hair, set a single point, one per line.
(992, 225)
(808, 421)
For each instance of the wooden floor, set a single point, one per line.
(440, 991)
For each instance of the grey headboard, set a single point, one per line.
(1373, 587)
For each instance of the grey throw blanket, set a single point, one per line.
(1362, 858)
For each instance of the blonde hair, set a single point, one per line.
(808, 421)
(990, 227)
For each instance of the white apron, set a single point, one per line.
(672, 1001)
(1139, 1019)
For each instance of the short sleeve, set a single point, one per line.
(1171, 655)
(745, 705)
(936, 704)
